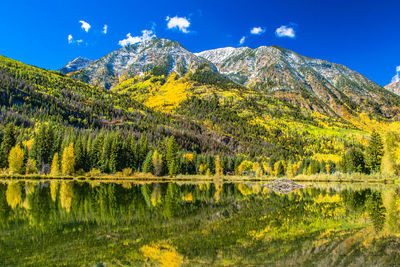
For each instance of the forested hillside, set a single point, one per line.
(185, 118)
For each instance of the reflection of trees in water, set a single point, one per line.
(110, 203)
(369, 201)
(14, 194)
(66, 195)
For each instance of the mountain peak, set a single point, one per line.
(159, 56)
(76, 64)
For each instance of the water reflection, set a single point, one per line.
(202, 223)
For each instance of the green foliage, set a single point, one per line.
(353, 161)
(171, 156)
(9, 141)
(148, 163)
(374, 153)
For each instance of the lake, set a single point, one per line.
(69, 223)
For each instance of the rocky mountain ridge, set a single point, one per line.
(76, 64)
(302, 81)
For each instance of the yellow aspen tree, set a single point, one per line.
(16, 160)
(55, 166)
(219, 171)
(68, 160)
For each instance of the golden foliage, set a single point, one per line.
(55, 166)
(188, 197)
(169, 95)
(68, 160)
(66, 195)
(189, 157)
(219, 171)
(53, 189)
(14, 194)
(16, 160)
(162, 253)
(245, 166)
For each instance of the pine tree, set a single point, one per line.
(68, 160)
(148, 163)
(353, 161)
(9, 141)
(171, 156)
(374, 153)
(280, 170)
(16, 160)
(42, 148)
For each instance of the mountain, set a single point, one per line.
(312, 84)
(309, 83)
(76, 64)
(393, 87)
(155, 56)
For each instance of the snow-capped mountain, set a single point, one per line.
(309, 83)
(76, 64)
(159, 56)
(293, 77)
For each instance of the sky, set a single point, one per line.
(363, 35)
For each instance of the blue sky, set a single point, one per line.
(362, 35)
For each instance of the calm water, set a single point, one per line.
(124, 224)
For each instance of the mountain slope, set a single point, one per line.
(216, 116)
(311, 83)
(393, 87)
(155, 56)
(76, 64)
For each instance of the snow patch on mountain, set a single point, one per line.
(76, 64)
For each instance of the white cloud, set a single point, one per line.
(285, 31)
(257, 30)
(242, 40)
(85, 26)
(178, 22)
(146, 35)
(398, 68)
(105, 28)
(72, 41)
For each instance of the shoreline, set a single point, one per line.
(331, 178)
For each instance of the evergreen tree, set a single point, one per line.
(171, 156)
(374, 153)
(353, 161)
(9, 141)
(42, 148)
(280, 171)
(148, 163)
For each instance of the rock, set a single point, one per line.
(284, 186)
